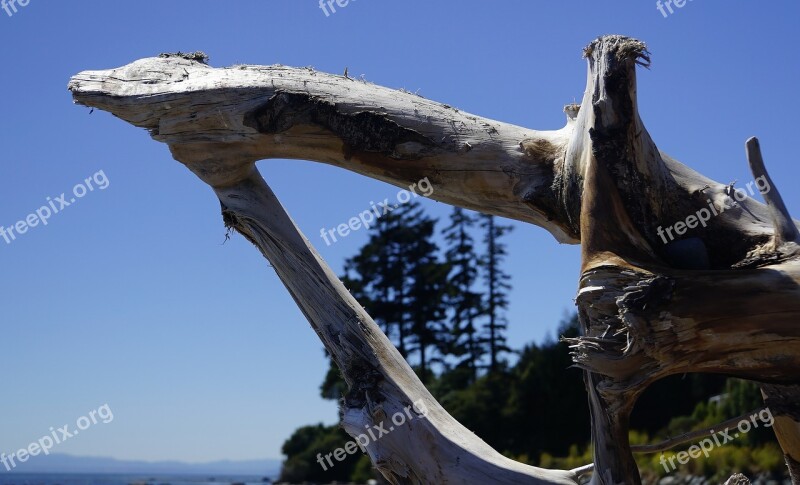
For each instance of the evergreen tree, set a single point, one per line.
(376, 277)
(497, 287)
(399, 279)
(427, 288)
(465, 303)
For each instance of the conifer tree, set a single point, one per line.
(376, 277)
(427, 288)
(399, 278)
(464, 302)
(497, 288)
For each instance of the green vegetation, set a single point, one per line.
(445, 313)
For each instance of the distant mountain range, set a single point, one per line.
(60, 463)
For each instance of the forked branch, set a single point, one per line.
(723, 299)
(785, 227)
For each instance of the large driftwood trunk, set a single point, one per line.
(724, 301)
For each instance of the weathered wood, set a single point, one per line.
(692, 436)
(723, 299)
(429, 446)
(259, 112)
(252, 113)
(785, 230)
(783, 404)
(646, 312)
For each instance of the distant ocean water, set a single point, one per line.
(82, 479)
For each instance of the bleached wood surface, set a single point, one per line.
(729, 304)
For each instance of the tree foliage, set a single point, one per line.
(446, 312)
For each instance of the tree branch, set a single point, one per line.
(252, 113)
(693, 435)
(724, 299)
(429, 446)
(785, 228)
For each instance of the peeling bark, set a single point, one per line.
(362, 132)
(722, 299)
(430, 448)
(782, 402)
(251, 113)
(649, 312)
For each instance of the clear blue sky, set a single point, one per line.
(128, 296)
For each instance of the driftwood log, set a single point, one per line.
(721, 298)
